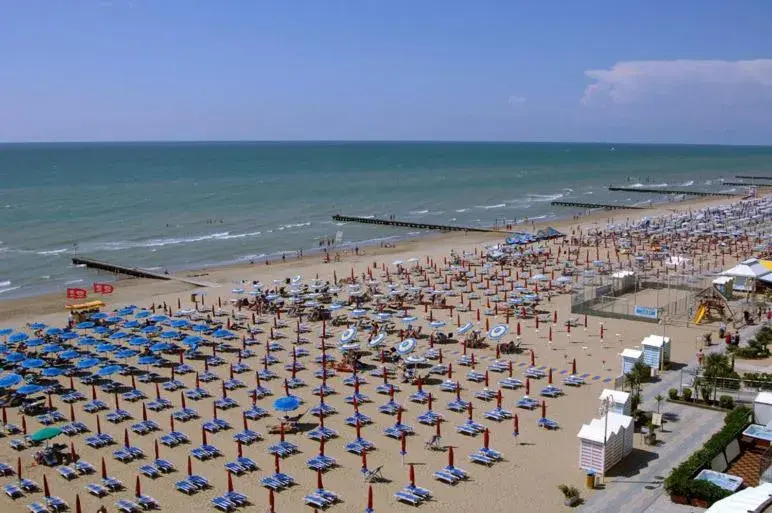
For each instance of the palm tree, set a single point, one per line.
(659, 399)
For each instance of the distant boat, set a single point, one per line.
(612, 149)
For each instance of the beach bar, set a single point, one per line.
(656, 351)
(605, 442)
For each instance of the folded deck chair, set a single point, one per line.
(373, 475)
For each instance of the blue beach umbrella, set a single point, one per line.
(147, 360)
(465, 328)
(37, 326)
(52, 332)
(200, 328)
(158, 318)
(108, 370)
(287, 403)
(151, 329)
(125, 311)
(221, 333)
(5, 332)
(435, 325)
(18, 337)
(15, 357)
(29, 389)
(131, 324)
(9, 380)
(348, 335)
(169, 334)
(192, 340)
(406, 346)
(113, 319)
(126, 353)
(409, 319)
(88, 341)
(87, 363)
(161, 346)
(34, 342)
(142, 314)
(52, 372)
(32, 363)
(101, 330)
(377, 340)
(98, 315)
(498, 331)
(358, 312)
(334, 307)
(138, 341)
(118, 335)
(70, 354)
(105, 348)
(68, 335)
(180, 323)
(52, 348)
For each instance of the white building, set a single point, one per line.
(656, 351)
(629, 358)
(621, 402)
(603, 444)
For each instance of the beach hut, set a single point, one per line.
(746, 273)
(605, 442)
(762, 408)
(629, 358)
(621, 402)
(656, 351)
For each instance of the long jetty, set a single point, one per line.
(747, 184)
(133, 271)
(409, 224)
(673, 191)
(604, 206)
(746, 177)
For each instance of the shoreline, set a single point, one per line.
(584, 215)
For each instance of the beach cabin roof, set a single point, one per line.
(631, 353)
(763, 398)
(655, 341)
(594, 430)
(752, 500)
(722, 280)
(616, 395)
(750, 268)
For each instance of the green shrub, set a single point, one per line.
(687, 394)
(705, 391)
(681, 479)
(673, 393)
(726, 401)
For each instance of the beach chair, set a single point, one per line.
(36, 507)
(478, 457)
(466, 429)
(112, 483)
(18, 444)
(234, 468)
(223, 504)
(285, 479)
(56, 504)
(410, 498)
(97, 489)
(458, 472)
(491, 453)
(29, 486)
(330, 497)
(237, 498)
(199, 482)
(316, 501)
(272, 483)
(66, 472)
(164, 466)
(186, 487)
(547, 423)
(445, 477)
(374, 475)
(6, 470)
(83, 467)
(127, 506)
(247, 463)
(147, 502)
(150, 471)
(13, 491)
(122, 455)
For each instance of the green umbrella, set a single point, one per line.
(45, 434)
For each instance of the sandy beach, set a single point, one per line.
(532, 465)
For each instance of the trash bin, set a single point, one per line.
(590, 480)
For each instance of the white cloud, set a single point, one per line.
(628, 81)
(516, 101)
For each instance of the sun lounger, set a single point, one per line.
(164, 465)
(223, 504)
(97, 489)
(29, 486)
(147, 502)
(478, 457)
(36, 507)
(273, 484)
(66, 472)
(490, 453)
(316, 501)
(234, 468)
(330, 497)
(237, 498)
(18, 444)
(56, 504)
(404, 496)
(458, 472)
(112, 483)
(122, 455)
(127, 506)
(13, 491)
(150, 471)
(83, 467)
(445, 477)
(199, 482)
(255, 413)
(186, 487)
(547, 423)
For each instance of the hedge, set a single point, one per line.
(681, 479)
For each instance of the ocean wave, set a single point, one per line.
(657, 185)
(293, 225)
(588, 193)
(8, 289)
(727, 191)
(415, 212)
(5, 283)
(71, 282)
(544, 197)
(688, 183)
(461, 210)
(488, 207)
(52, 251)
(156, 243)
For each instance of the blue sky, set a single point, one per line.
(694, 71)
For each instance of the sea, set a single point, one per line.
(178, 206)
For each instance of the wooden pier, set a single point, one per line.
(133, 271)
(746, 177)
(579, 204)
(674, 191)
(746, 184)
(409, 224)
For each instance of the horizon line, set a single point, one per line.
(367, 141)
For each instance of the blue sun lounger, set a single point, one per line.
(445, 477)
(410, 498)
(67, 472)
(186, 487)
(13, 491)
(223, 504)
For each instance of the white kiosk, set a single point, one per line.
(621, 402)
(629, 358)
(605, 442)
(656, 351)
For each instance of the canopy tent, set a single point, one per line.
(753, 500)
(746, 273)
